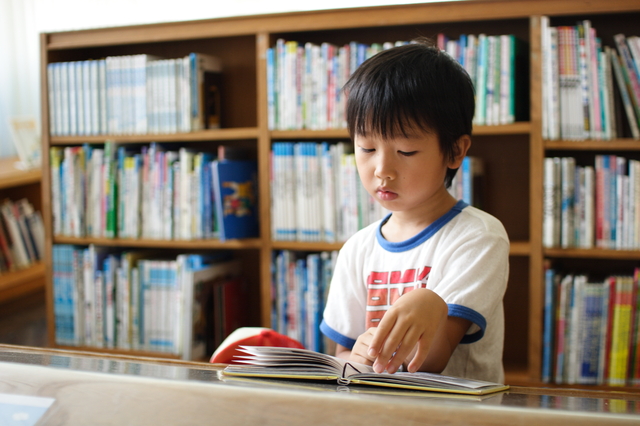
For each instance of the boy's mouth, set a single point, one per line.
(386, 195)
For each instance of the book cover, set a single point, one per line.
(206, 86)
(294, 363)
(621, 331)
(229, 297)
(550, 290)
(63, 295)
(235, 191)
(630, 73)
(624, 92)
(198, 274)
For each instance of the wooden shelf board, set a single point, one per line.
(199, 136)
(519, 128)
(591, 145)
(17, 278)
(310, 134)
(250, 243)
(305, 246)
(11, 176)
(594, 253)
(22, 282)
(358, 17)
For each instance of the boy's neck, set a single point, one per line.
(405, 224)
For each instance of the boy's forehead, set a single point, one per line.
(415, 136)
(400, 131)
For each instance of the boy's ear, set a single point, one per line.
(462, 146)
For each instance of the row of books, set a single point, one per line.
(591, 329)
(497, 66)
(467, 184)
(592, 205)
(21, 235)
(316, 193)
(299, 286)
(589, 91)
(304, 81)
(134, 94)
(152, 192)
(145, 301)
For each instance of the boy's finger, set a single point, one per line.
(390, 347)
(424, 343)
(380, 335)
(403, 350)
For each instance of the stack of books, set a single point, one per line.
(304, 82)
(317, 194)
(134, 94)
(589, 90)
(299, 286)
(588, 206)
(591, 329)
(151, 193)
(21, 235)
(183, 305)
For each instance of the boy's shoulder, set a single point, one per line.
(472, 218)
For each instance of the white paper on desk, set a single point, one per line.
(22, 410)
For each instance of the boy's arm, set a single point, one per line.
(426, 334)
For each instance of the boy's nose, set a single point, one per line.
(385, 170)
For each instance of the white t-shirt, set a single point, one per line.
(463, 257)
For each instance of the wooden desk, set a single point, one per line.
(104, 390)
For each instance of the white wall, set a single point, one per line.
(21, 21)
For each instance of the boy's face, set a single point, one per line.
(403, 174)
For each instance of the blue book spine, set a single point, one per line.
(480, 117)
(612, 173)
(301, 290)
(271, 95)
(63, 283)
(462, 47)
(548, 324)
(591, 344)
(281, 277)
(467, 181)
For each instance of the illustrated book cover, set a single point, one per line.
(235, 189)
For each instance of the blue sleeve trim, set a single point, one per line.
(345, 341)
(471, 315)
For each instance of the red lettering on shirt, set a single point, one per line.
(384, 288)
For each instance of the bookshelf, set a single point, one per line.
(15, 184)
(513, 153)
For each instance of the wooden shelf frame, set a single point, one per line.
(16, 183)
(11, 176)
(526, 248)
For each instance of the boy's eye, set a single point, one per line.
(407, 154)
(367, 150)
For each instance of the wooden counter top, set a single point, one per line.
(97, 389)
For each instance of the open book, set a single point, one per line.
(292, 363)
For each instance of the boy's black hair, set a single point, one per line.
(413, 86)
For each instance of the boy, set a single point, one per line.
(423, 287)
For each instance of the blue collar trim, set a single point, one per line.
(423, 235)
